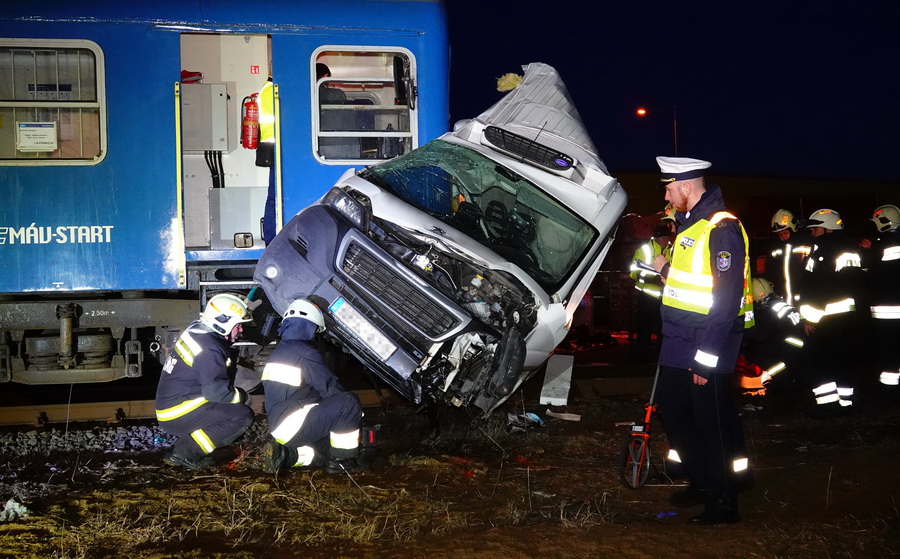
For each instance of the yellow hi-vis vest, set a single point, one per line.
(689, 284)
(643, 279)
(266, 100)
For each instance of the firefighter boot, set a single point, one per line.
(277, 457)
(172, 458)
(343, 463)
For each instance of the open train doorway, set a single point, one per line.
(223, 188)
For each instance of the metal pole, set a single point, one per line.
(675, 127)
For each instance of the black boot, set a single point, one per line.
(689, 497)
(717, 512)
(173, 458)
(277, 457)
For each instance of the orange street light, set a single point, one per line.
(642, 112)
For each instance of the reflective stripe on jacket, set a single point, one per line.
(643, 280)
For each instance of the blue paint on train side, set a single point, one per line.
(89, 236)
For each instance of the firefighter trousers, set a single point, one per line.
(208, 427)
(336, 415)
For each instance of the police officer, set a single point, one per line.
(829, 286)
(649, 288)
(314, 421)
(196, 399)
(883, 271)
(706, 306)
(784, 260)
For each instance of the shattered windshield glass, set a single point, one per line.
(491, 203)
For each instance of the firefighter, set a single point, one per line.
(784, 260)
(778, 334)
(706, 306)
(668, 219)
(883, 269)
(829, 288)
(649, 287)
(312, 419)
(196, 399)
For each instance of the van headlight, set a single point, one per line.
(347, 206)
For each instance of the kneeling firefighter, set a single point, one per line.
(313, 419)
(196, 398)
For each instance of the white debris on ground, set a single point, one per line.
(13, 511)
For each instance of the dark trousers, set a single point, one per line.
(648, 323)
(704, 427)
(887, 356)
(269, 211)
(832, 353)
(340, 413)
(221, 423)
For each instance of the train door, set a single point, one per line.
(223, 188)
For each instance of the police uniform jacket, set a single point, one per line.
(296, 374)
(685, 332)
(198, 370)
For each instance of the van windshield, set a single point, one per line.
(493, 204)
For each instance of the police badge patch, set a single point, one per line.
(723, 261)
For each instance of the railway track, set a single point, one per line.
(42, 414)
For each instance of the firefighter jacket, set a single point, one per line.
(784, 264)
(295, 378)
(883, 263)
(778, 334)
(647, 281)
(832, 277)
(706, 299)
(197, 370)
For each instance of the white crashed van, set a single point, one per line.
(453, 272)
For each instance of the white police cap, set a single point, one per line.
(680, 168)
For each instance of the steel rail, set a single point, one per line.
(42, 414)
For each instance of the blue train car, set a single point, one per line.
(127, 195)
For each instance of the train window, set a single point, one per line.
(364, 104)
(52, 102)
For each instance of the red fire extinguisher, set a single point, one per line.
(250, 122)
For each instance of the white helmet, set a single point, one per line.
(886, 217)
(301, 308)
(828, 219)
(783, 219)
(224, 311)
(760, 287)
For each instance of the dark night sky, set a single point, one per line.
(774, 89)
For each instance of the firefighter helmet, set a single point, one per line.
(827, 219)
(224, 311)
(886, 217)
(783, 219)
(301, 308)
(668, 213)
(760, 287)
